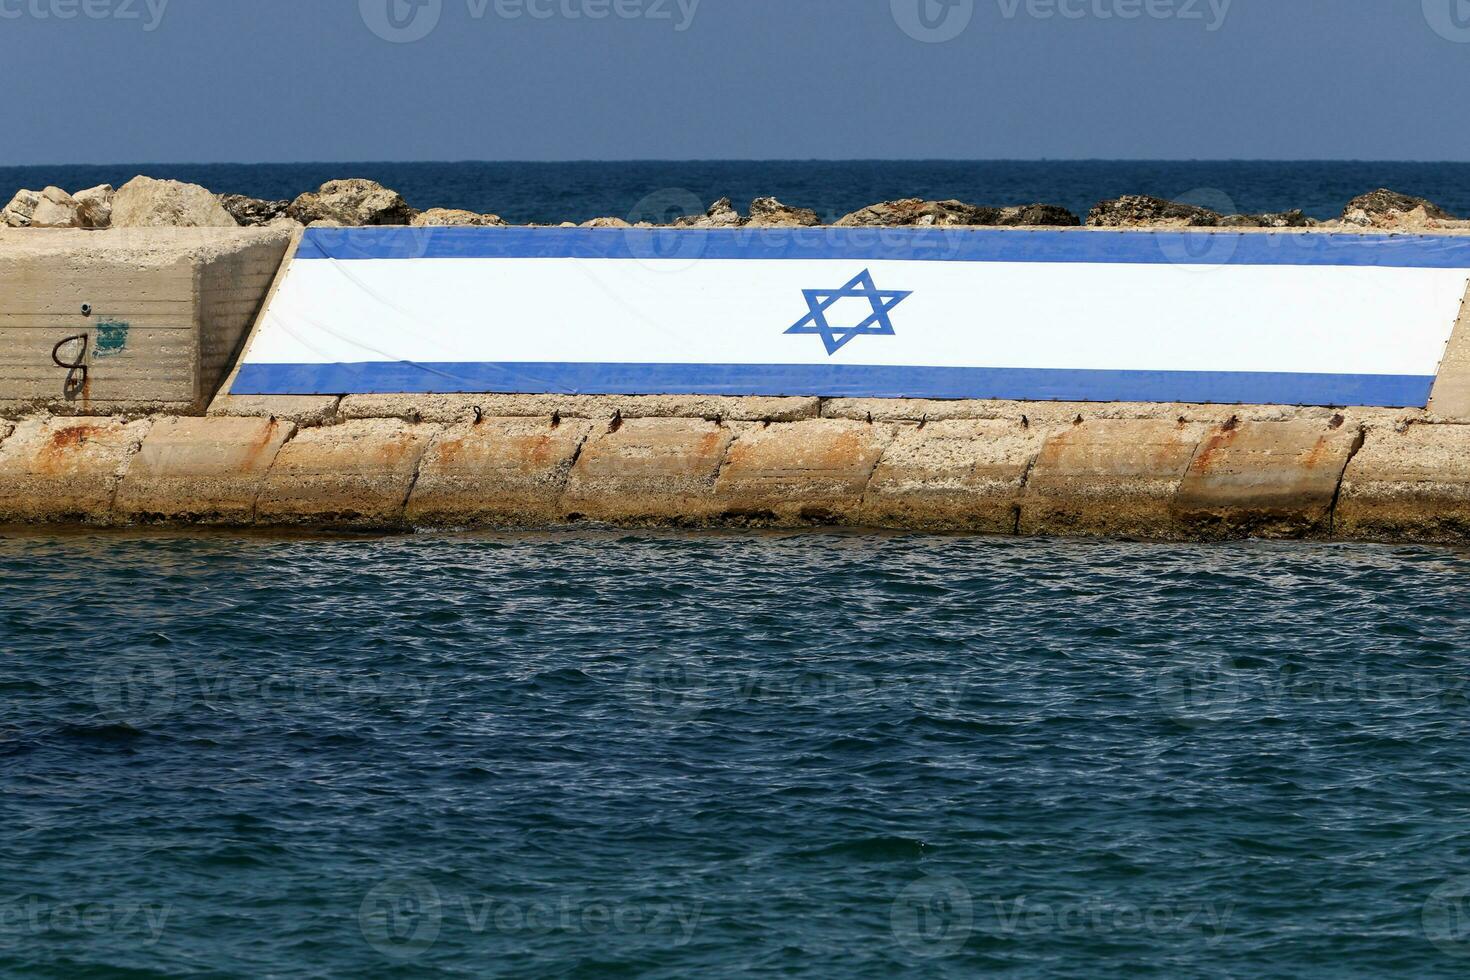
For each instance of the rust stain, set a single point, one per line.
(252, 461)
(1213, 446)
(64, 444)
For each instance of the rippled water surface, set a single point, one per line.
(590, 754)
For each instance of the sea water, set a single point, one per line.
(595, 753)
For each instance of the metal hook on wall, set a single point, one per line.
(76, 370)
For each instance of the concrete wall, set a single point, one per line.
(169, 309)
(1450, 399)
(1365, 475)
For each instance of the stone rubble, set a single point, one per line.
(146, 202)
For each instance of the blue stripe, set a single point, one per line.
(900, 244)
(836, 381)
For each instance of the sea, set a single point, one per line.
(599, 753)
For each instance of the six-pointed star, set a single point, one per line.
(861, 287)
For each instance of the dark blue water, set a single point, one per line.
(665, 755)
(555, 192)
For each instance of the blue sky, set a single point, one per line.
(92, 81)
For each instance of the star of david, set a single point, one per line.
(862, 287)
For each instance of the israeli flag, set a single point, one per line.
(1225, 317)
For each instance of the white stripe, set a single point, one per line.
(1159, 317)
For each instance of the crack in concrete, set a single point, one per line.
(1342, 479)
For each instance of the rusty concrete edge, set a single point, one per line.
(739, 430)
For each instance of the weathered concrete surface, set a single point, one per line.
(1410, 485)
(200, 470)
(65, 470)
(1065, 413)
(154, 315)
(954, 475)
(649, 471)
(1266, 479)
(454, 408)
(1450, 399)
(798, 473)
(1110, 477)
(498, 472)
(304, 410)
(357, 474)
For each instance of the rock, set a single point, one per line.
(1391, 209)
(50, 208)
(21, 209)
(767, 212)
(606, 223)
(1384, 208)
(252, 212)
(147, 203)
(435, 217)
(1282, 219)
(721, 214)
(94, 206)
(1136, 211)
(1038, 215)
(56, 209)
(353, 202)
(915, 211)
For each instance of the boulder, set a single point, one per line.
(353, 202)
(1134, 211)
(147, 203)
(252, 212)
(915, 211)
(606, 223)
(21, 209)
(721, 214)
(1282, 219)
(767, 212)
(49, 208)
(1038, 215)
(435, 217)
(94, 206)
(918, 212)
(1384, 208)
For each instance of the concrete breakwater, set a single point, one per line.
(379, 463)
(114, 344)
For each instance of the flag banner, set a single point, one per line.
(1075, 315)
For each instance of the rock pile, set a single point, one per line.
(1155, 212)
(915, 212)
(144, 202)
(1384, 208)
